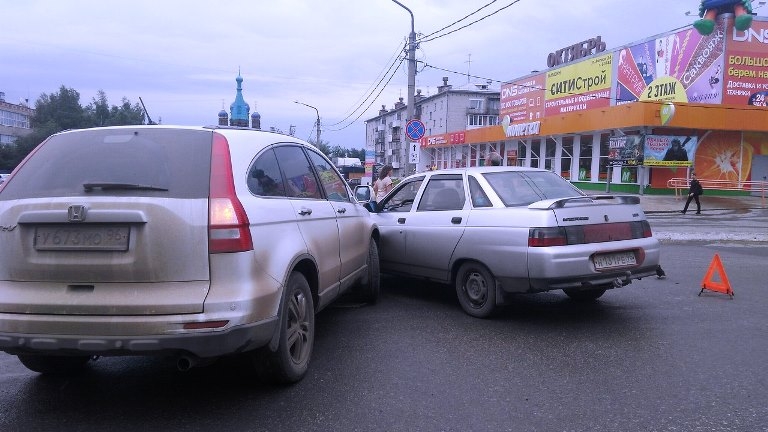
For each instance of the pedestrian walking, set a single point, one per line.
(693, 194)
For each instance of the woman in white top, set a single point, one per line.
(383, 184)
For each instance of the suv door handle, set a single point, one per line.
(401, 220)
(305, 211)
(341, 210)
(456, 220)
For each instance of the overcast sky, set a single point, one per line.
(182, 57)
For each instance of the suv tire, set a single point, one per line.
(289, 363)
(369, 289)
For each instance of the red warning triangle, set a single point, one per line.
(716, 279)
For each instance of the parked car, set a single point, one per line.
(494, 232)
(195, 242)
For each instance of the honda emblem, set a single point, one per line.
(76, 213)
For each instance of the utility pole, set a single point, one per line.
(410, 108)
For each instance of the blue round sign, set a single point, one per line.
(415, 130)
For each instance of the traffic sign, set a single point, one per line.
(415, 129)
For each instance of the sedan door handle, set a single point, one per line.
(456, 220)
(401, 220)
(341, 210)
(305, 212)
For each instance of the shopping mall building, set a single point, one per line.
(631, 118)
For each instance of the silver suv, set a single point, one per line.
(190, 241)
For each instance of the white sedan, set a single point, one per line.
(498, 231)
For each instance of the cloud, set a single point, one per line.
(182, 57)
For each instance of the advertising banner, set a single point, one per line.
(579, 86)
(669, 150)
(747, 65)
(523, 100)
(680, 67)
(625, 150)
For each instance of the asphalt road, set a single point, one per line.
(652, 356)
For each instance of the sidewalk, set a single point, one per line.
(672, 204)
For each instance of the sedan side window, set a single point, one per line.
(402, 199)
(443, 192)
(478, 195)
(299, 177)
(264, 177)
(334, 186)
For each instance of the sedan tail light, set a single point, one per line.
(228, 225)
(583, 234)
(543, 237)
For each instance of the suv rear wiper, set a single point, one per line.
(125, 186)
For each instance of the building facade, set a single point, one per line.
(630, 118)
(14, 120)
(449, 110)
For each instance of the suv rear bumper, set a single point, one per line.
(198, 343)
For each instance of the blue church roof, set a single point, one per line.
(239, 109)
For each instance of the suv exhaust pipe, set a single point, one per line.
(186, 362)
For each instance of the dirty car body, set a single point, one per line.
(498, 231)
(191, 242)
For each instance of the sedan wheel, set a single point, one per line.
(297, 334)
(476, 289)
(53, 365)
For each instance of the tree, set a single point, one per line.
(61, 111)
(99, 113)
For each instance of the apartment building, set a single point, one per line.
(14, 120)
(450, 110)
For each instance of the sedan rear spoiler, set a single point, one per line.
(552, 204)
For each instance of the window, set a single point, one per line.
(585, 158)
(476, 192)
(333, 185)
(476, 104)
(299, 178)
(402, 199)
(443, 192)
(604, 150)
(565, 159)
(264, 178)
(516, 188)
(12, 119)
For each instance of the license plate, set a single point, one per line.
(82, 237)
(618, 259)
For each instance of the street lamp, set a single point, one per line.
(317, 143)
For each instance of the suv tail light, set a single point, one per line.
(228, 226)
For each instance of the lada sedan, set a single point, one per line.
(189, 242)
(494, 232)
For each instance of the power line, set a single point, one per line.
(472, 23)
(457, 21)
(380, 76)
(374, 99)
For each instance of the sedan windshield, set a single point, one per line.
(521, 188)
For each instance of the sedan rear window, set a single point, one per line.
(171, 163)
(521, 188)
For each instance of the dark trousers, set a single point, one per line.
(688, 202)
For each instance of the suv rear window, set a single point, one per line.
(172, 163)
